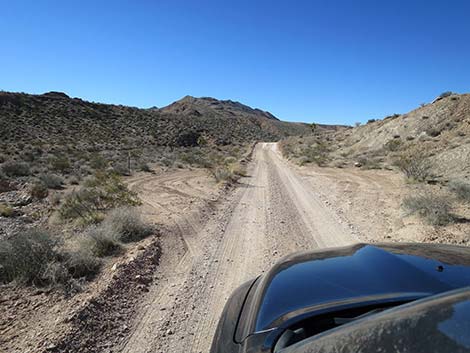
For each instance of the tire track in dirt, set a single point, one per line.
(272, 213)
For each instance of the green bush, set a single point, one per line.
(435, 209)
(461, 189)
(25, 257)
(126, 225)
(16, 169)
(99, 193)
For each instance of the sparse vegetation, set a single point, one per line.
(414, 165)
(461, 189)
(446, 94)
(25, 257)
(100, 241)
(125, 225)
(52, 181)
(436, 209)
(5, 210)
(16, 169)
(393, 145)
(39, 190)
(101, 192)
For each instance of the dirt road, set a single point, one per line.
(273, 213)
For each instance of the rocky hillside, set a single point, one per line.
(439, 131)
(55, 118)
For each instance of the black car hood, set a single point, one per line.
(439, 323)
(305, 282)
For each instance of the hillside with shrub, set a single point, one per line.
(429, 147)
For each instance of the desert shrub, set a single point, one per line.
(121, 169)
(98, 162)
(446, 94)
(100, 240)
(224, 174)
(39, 190)
(56, 272)
(74, 180)
(5, 210)
(99, 193)
(434, 131)
(414, 165)
(60, 163)
(25, 257)
(371, 121)
(229, 160)
(195, 157)
(393, 145)
(144, 167)
(461, 189)
(81, 263)
(368, 162)
(52, 181)
(238, 169)
(126, 225)
(316, 153)
(435, 209)
(16, 169)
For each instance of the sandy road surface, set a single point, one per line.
(273, 213)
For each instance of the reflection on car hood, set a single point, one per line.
(437, 324)
(306, 280)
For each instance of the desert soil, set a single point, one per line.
(212, 239)
(274, 212)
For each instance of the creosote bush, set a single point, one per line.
(414, 165)
(434, 209)
(103, 191)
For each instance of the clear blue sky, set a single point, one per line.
(325, 61)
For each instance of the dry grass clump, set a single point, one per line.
(34, 257)
(125, 225)
(100, 241)
(25, 257)
(435, 209)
